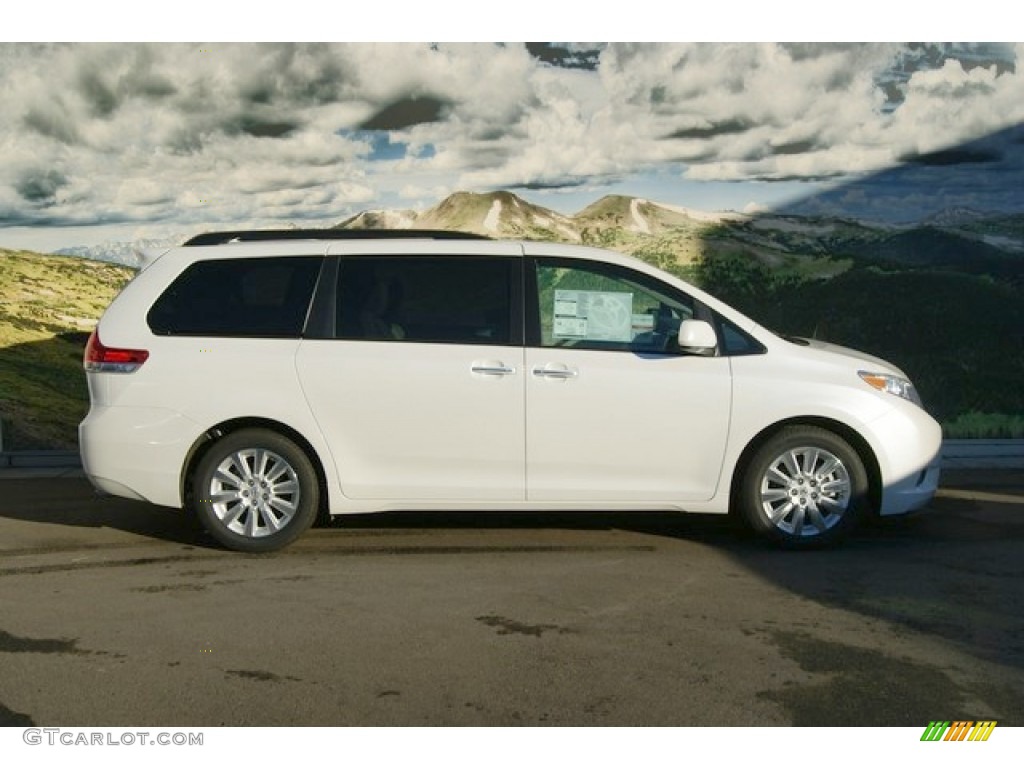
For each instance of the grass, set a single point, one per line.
(977, 425)
(48, 306)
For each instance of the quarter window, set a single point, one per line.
(736, 342)
(238, 297)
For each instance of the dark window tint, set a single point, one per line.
(736, 342)
(238, 297)
(446, 299)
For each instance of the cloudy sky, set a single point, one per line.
(123, 141)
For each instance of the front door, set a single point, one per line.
(614, 411)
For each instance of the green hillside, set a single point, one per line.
(959, 336)
(48, 305)
(943, 303)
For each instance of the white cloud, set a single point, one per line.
(948, 106)
(185, 133)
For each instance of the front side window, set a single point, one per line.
(439, 299)
(603, 307)
(238, 297)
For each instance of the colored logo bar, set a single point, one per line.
(959, 730)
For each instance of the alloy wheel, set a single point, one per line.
(805, 491)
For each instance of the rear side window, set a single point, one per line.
(440, 299)
(238, 297)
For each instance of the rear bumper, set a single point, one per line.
(136, 453)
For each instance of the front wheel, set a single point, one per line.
(805, 487)
(255, 491)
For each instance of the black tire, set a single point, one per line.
(805, 487)
(255, 491)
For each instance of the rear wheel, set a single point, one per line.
(805, 487)
(255, 491)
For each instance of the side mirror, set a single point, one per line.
(697, 337)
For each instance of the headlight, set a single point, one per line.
(894, 385)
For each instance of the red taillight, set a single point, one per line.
(99, 358)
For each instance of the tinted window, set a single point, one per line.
(455, 300)
(238, 297)
(737, 342)
(594, 306)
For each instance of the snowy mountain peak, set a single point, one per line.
(130, 254)
(954, 217)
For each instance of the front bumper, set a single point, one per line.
(911, 493)
(908, 446)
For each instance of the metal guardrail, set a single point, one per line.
(38, 459)
(956, 454)
(983, 454)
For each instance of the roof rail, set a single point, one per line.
(255, 235)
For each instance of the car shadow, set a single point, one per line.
(72, 501)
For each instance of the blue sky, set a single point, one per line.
(114, 141)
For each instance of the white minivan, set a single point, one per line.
(259, 379)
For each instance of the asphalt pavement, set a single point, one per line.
(114, 612)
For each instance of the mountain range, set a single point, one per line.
(129, 254)
(674, 236)
(505, 215)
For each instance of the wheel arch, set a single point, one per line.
(847, 433)
(206, 440)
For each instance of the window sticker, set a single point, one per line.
(593, 316)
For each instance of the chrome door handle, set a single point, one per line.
(493, 370)
(555, 373)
